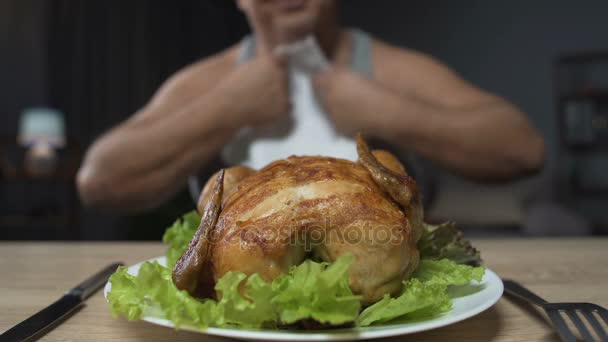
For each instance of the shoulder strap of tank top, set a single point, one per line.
(247, 50)
(361, 59)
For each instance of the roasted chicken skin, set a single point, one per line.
(267, 221)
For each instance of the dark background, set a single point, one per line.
(99, 61)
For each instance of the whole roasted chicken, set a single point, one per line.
(269, 220)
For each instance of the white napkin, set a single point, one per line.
(304, 55)
(307, 130)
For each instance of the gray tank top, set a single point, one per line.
(361, 62)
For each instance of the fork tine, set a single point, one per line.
(595, 324)
(560, 325)
(580, 325)
(603, 313)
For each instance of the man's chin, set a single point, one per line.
(291, 5)
(293, 30)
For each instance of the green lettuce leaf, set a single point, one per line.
(445, 241)
(251, 312)
(424, 295)
(310, 290)
(447, 272)
(151, 293)
(318, 291)
(124, 297)
(179, 235)
(417, 296)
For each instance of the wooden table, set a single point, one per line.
(32, 275)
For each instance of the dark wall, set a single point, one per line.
(99, 61)
(22, 59)
(106, 58)
(109, 57)
(507, 47)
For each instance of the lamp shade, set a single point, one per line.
(41, 125)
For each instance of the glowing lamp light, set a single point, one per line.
(41, 131)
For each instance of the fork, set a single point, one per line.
(577, 312)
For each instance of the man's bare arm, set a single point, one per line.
(144, 160)
(446, 119)
(422, 106)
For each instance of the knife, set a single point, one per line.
(49, 317)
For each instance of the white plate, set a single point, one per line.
(463, 308)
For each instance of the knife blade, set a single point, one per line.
(49, 317)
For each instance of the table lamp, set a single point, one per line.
(41, 132)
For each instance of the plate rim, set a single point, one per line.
(490, 277)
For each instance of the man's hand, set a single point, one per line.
(348, 98)
(260, 89)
